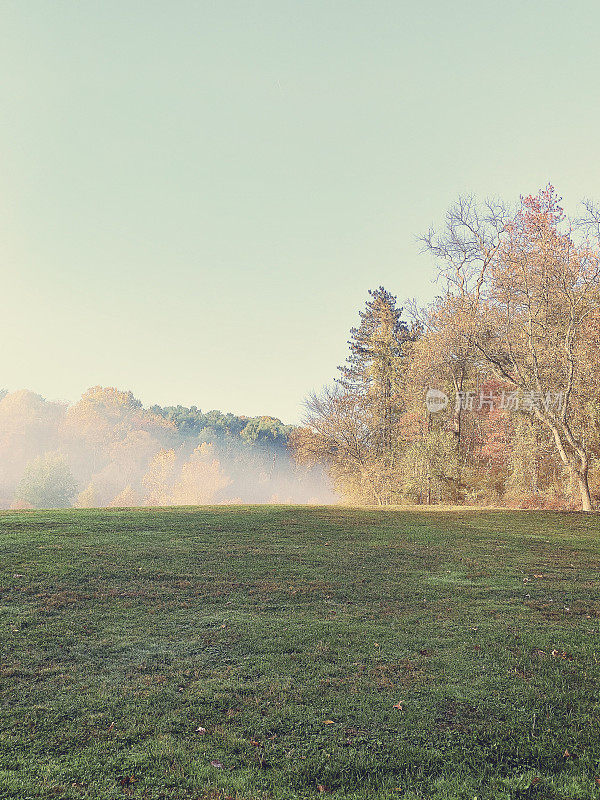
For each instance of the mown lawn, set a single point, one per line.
(288, 652)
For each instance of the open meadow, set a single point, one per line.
(295, 652)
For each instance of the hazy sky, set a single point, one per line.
(197, 196)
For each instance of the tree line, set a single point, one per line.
(108, 450)
(490, 395)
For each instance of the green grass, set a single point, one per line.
(290, 634)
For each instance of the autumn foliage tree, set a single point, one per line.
(47, 482)
(527, 294)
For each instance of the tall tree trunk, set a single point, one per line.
(428, 465)
(457, 417)
(584, 489)
(575, 460)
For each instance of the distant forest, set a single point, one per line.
(108, 450)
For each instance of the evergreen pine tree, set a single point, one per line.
(376, 346)
(374, 371)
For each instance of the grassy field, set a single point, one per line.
(286, 652)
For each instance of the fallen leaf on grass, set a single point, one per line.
(566, 754)
(254, 743)
(321, 788)
(216, 764)
(534, 781)
(329, 722)
(398, 706)
(558, 654)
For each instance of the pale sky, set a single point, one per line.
(196, 196)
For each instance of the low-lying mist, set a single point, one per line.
(107, 450)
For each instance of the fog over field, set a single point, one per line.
(108, 450)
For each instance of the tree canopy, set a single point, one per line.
(509, 349)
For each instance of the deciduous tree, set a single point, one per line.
(527, 293)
